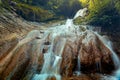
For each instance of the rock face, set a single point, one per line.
(92, 56)
(70, 48)
(12, 28)
(13, 59)
(18, 58)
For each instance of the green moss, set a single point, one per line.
(79, 20)
(117, 6)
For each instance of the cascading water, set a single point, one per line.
(59, 52)
(80, 13)
(116, 61)
(50, 66)
(52, 61)
(78, 72)
(78, 64)
(109, 46)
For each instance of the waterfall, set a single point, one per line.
(78, 66)
(80, 13)
(115, 58)
(108, 44)
(69, 23)
(50, 66)
(78, 63)
(53, 59)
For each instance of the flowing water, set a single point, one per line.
(52, 59)
(78, 66)
(80, 13)
(115, 58)
(51, 66)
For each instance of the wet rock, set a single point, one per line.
(70, 50)
(83, 77)
(93, 57)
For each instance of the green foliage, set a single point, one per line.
(102, 12)
(24, 1)
(84, 2)
(0, 2)
(69, 8)
(34, 9)
(117, 5)
(4, 4)
(80, 20)
(33, 13)
(59, 8)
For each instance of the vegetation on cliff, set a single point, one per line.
(39, 10)
(101, 12)
(33, 13)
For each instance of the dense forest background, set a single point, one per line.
(100, 12)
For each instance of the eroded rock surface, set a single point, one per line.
(70, 48)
